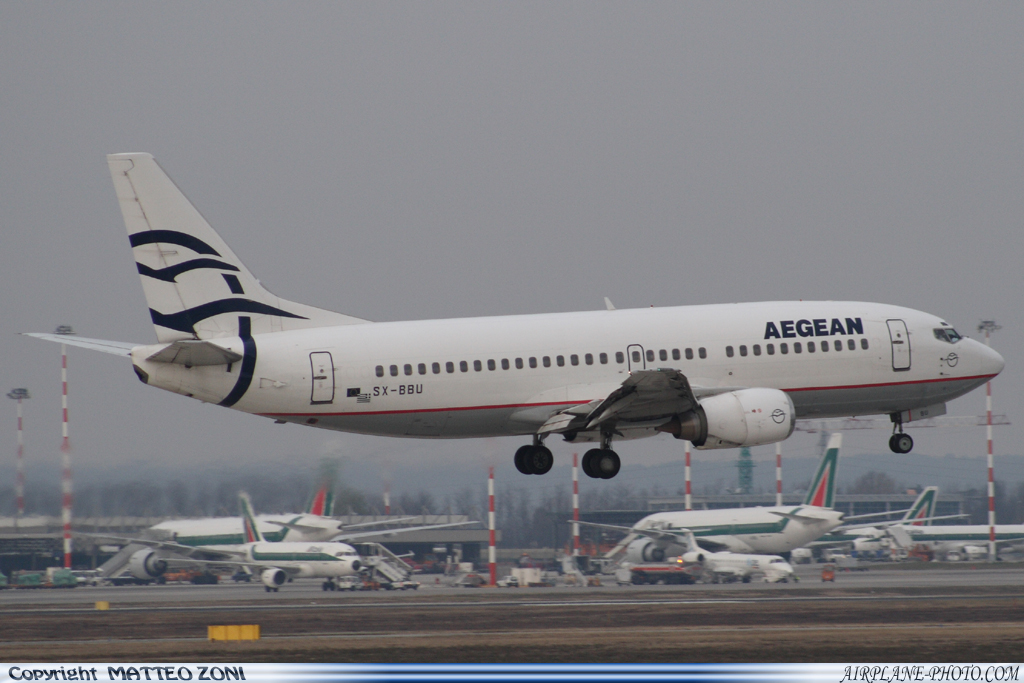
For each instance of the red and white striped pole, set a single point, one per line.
(19, 477)
(689, 500)
(491, 559)
(65, 449)
(778, 474)
(575, 506)
(989, 326)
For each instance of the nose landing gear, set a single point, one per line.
(899, 442)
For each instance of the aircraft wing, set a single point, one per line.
(798, 517)
(343, 537)
(891, 523)
(678, 536)
(305, 528)
(645, 395)
(115, 347)
(189, 551)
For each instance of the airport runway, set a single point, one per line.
(926, 614)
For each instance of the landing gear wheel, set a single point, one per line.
(588, 463)
(607, 464)
(541, 460)
(901, 443)
(521, 459)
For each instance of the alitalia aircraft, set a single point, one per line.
(719, 376)
(765, 530)
(275, 562)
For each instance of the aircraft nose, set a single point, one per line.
(991, 362)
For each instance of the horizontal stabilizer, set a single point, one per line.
(115, 347)
(190, 353)
(796, 517)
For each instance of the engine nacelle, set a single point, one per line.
(693, 558)
(146, 564)
(273, 577)
(748, 417)
(647, 550)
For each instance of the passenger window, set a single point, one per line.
(728, 351)
(770, 348)
(491, 365)
(636, 356)
(436, 368)
(824, 346)
(450, 367)
(533, 362)
(394, 370)
(463, 366)
(547, 361)
(650, 355)
(408, 369)
(851, 345)
(560, 360)
(603, 358)
(422, 368)
(589, 359)
(504, 364)
(810, 347)
(743, 349)
(619, 358)
(574, 359)
(519, 363)
(864, 343)
(663, 354)
(757, 349)
(478, 366)
(839, 344)
(689, 354)
(796, 347)
(675, 354)
(784, 348)
(380, 370)
(702, 352)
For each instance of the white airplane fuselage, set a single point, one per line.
(475, 377)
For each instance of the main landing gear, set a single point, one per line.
(534, 459)
(603, 462)
(899, 442)
(329, 585)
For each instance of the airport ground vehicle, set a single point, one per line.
(664, 572)
(508, 582)
(828, 572)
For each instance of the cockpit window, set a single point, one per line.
(947, 334)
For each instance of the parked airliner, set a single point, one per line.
(719, 376)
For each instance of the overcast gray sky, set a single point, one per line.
(421, 160)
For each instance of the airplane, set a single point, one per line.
(874, 537)
(968, 541)
(312, 527)
(275, 562)
(763, 530)
(719, 376)
(723, 567)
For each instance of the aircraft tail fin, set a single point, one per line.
(194, 284)
(822, 490)
(250, 531)
(923, 508)
(322, 502)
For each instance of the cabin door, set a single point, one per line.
(323, 377)
(900, 344)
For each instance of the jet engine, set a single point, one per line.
(146, 564)
(273, 577)
(695, 557)
(747, 417)
(647, 550)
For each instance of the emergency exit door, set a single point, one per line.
(323, 377)
(900, 339)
